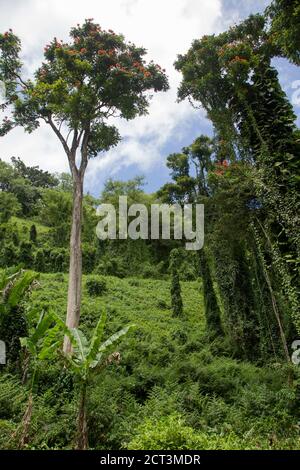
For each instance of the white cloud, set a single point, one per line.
(165, 28)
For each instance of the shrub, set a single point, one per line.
(88, 259)
(8, 255)
(150, 271)
(171, 433)
(25, 255)
(40, 262)
(33, 234)
(96, 286)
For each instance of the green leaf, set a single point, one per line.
(64, 328)
(44, 322)
(81, 344)
(96, 339)
(27, 343)
(20, 287)
(114, 338)
(47, 351)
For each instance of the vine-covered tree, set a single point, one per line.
(232, 76)
(76, 91)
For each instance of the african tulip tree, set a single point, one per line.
(79, 87)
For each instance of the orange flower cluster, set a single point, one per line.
(142, 69)
(221, 167)
(42, 73)
(119, 68)
(224, 164)
(109, 53)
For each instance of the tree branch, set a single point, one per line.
(70, 152)
(59, 135)
(84, 152)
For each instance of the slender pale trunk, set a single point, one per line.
(75, 270)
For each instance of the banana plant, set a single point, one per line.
(88, 358)
(15, 284)
(41, 344)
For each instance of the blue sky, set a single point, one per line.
(165, 28)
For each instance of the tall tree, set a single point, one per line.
(232, 76)
(79, 87)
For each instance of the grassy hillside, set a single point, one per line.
(174, 388)
(23, 225)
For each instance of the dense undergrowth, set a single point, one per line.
(174, 387)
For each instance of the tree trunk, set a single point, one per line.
(26, 421)
(82, 435)
(212, 309)
(75, 270)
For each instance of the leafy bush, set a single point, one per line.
(96, 286)
(168, 370)
(171, 433)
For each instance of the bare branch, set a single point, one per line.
(59, 135)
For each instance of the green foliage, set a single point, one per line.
(25, 254)
(96, 286)
(168, 367)
(33, 234)
(171, 433)
(97, 67)
(284, 32)
(212, 309)
(176, 300)
(217, 377)
(9, 206)
(15, 284)
(249, 173)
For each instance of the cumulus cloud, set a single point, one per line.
(165, 28)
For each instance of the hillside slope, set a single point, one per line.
(175, 388)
